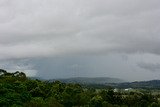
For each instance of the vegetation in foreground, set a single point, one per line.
(16, 90)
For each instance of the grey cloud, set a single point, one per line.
(81, 34)
(78, 27)
(23, 65)
(153, 67)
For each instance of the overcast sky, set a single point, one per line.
(67, 38)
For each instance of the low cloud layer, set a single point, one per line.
(32, 29)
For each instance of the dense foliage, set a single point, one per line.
(16, 90)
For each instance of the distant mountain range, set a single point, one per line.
(107, 81)
(138, 84)
(90, 80)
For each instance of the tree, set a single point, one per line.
(2, 72)
(96, 101)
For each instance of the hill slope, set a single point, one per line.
(91, 80)
(140, 84)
